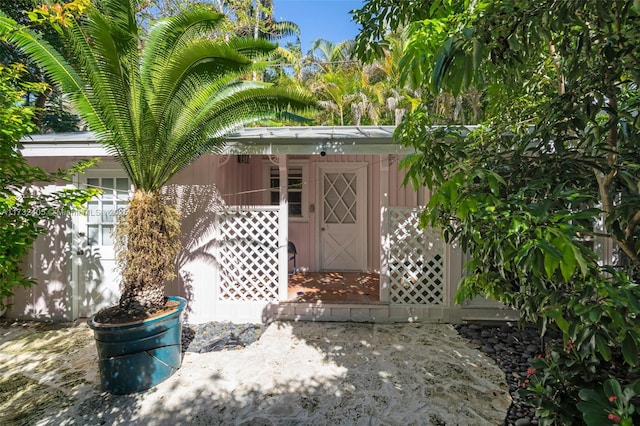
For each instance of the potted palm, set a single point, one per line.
(157, 100)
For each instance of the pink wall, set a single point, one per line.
(244, 184)
(219, 180)
(49, 262)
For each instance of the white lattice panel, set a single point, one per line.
(416, 260)
(247, 255)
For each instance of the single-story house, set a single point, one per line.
(336, 193)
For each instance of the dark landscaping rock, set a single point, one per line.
(488, 349)
(217, 336)
(512, 349)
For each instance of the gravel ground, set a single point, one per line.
(217, 336)
(512, 349)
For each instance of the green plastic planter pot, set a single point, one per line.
(137, 356)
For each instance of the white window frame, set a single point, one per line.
(291, 164)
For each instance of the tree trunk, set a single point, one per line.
(147, 243)
(40, 103)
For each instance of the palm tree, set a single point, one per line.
(157, 103)
(329, 56)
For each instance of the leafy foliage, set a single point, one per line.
(23, 208)
(378, 17)
(599, 322)
(353, 93)
(52, 114)
(546, 181)
(428, 33)
(611, 404)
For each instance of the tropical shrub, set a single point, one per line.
(601, 334)
(611, 404)
(24, 209)
(549, 179)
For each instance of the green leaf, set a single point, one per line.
(556, 314)
(590, 395)
(551, 263)
(478, 53)
(630, 350)
(632, 299)
(593, 415)
(567, 266)
(494, 180)
(612, 388)
(595, 313)
(603, 348)
(582, 262)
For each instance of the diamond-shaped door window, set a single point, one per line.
(340, 198)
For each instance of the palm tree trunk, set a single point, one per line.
(147, 243)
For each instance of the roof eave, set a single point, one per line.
(250, 141)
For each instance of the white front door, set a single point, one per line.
(98, 281)
(343, 217)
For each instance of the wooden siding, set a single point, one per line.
(50, 260)
(220, 179)
(245, 184)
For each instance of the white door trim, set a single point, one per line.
(360, 168)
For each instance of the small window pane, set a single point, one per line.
(121, 209)
(106, 235)
(92, 235)
(295, 197)
(275, 198)
(295, 210)
(93, 182)
(93, 212)
(122, 186)
(107, 187)
(107, 213)
(295, 173)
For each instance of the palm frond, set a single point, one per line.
(56, 67)
(281, 29)
(160, 104)
(169, 35)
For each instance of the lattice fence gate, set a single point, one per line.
(247, 254)
(416, 260)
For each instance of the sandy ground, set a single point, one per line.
(296, 374)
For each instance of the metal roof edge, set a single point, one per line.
(250, 140)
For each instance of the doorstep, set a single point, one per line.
(344, 312)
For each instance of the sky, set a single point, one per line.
(328, 19)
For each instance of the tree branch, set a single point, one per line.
(556, 64)
(633, 223)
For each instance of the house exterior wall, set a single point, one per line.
(201, 189)
(49, 263)
(245, 184)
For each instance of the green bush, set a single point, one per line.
(600, 346)
(23, 209)
(611, 404)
